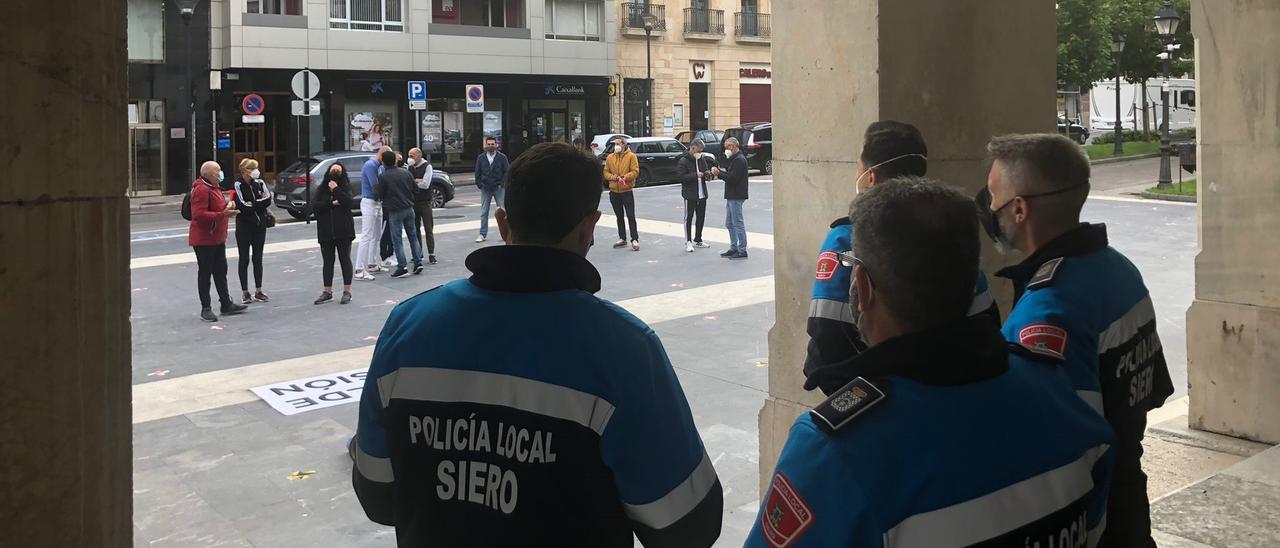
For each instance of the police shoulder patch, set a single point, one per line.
(786, 516)
(1046, 357)
(848, 402)
(1044, 276)
(828, 262)
(1044, 339)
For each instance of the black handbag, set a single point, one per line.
(268, 220)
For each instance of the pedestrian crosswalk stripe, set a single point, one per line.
(204, 391)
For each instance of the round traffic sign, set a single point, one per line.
(253, 104)
(305, 84)
(475, 93)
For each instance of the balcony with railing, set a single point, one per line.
(752, 27)
(632, 16)
(703, 24)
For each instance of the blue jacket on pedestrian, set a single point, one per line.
(491, 175)
(369, 178)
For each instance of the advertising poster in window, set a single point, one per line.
(369, 130)
(453, 132)
(432, 133)
(493, 125)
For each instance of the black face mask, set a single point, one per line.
(990, 219)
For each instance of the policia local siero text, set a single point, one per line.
(480, 482)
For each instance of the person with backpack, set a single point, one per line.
(253, 201)
(335, 229)
(208, 211)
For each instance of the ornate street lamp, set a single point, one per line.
(1117, 47)
(1166, 24)
(187, 8)
(650, 22)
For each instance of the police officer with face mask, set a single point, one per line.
(1080, 300)
(944, 434)
(890, 149)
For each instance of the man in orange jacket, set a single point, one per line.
(620, 171)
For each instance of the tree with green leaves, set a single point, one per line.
(1084, 42)
(1134, 19)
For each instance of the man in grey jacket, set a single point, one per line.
(396, 186)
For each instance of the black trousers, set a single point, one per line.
(625, 202)
(250, 239)
(694, 209)
(424, 219)
(340, 250)
(211, 263)
(385, 248)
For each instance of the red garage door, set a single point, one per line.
(755, 103)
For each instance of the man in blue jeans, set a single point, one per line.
(491, 179)
(735, 196)
(396, 186)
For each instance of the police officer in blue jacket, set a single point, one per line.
(561, 423)
(1080, 300)
(944, 434)
(889, 149)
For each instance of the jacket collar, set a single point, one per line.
(531, 269)
(841, 221)
(1082, 240)
(965, 352)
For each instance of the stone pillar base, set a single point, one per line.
(1233, 363)
(776, 418)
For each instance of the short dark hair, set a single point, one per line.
(1045, 162)
(889, 139)
(550, 189)
(488, 138)
(388, 158)
(919, 242)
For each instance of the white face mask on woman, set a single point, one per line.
(255, 174)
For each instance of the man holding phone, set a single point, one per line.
(620, 171)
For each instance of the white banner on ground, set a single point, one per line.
(309, 394)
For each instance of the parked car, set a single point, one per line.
(756, 141)
(291, 184)
(1073, 130)
(710, 137)
(658, 157)
(603, 143)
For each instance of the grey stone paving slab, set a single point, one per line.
(1222, 511)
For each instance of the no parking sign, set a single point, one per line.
(253, 104)
(475, 98)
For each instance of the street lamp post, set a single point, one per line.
(650, 21)
(1117, 47)
(1166, 24)
(187, 8)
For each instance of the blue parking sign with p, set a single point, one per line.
(418, 90)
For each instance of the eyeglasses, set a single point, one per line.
(847, 260)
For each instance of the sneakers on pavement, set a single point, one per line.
(400, 273)
(619, 244)
(387, 263)
(431, 259)
(635, 245)
(688, 247)
(701, 245)
(261, 297)
(230, 309)
(246, 298)
(374, 268)
(481, 238)
(207, 315)
(730, 253)
(417, 269)
(739, 255)
(324, 297)
(365, 276)
(346, 297)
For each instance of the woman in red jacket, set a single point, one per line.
(207, 235)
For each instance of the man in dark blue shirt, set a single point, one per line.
(570, 429)
(370, 218)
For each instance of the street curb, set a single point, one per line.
(1168, 197)
(1106, 161)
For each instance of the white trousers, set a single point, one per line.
(370, 233)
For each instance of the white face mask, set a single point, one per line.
(410, 162)
(857, 183)
(255, 174)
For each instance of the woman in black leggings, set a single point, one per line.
(252, 200)
(335, 229)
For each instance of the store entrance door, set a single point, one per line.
(699, 107)
(549, 126)
(260, 142)
(146, 159)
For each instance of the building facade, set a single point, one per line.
(709, 60)
(543, 68)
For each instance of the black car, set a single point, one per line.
(1073, 130)
(291, 184)
(658, 157)
(710, 137)
(756, 141)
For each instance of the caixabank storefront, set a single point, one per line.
(366, 110)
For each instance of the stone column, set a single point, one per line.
(65, 455)
(1233, 326)
(960, 71)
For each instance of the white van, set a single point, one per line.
(1102, 100)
